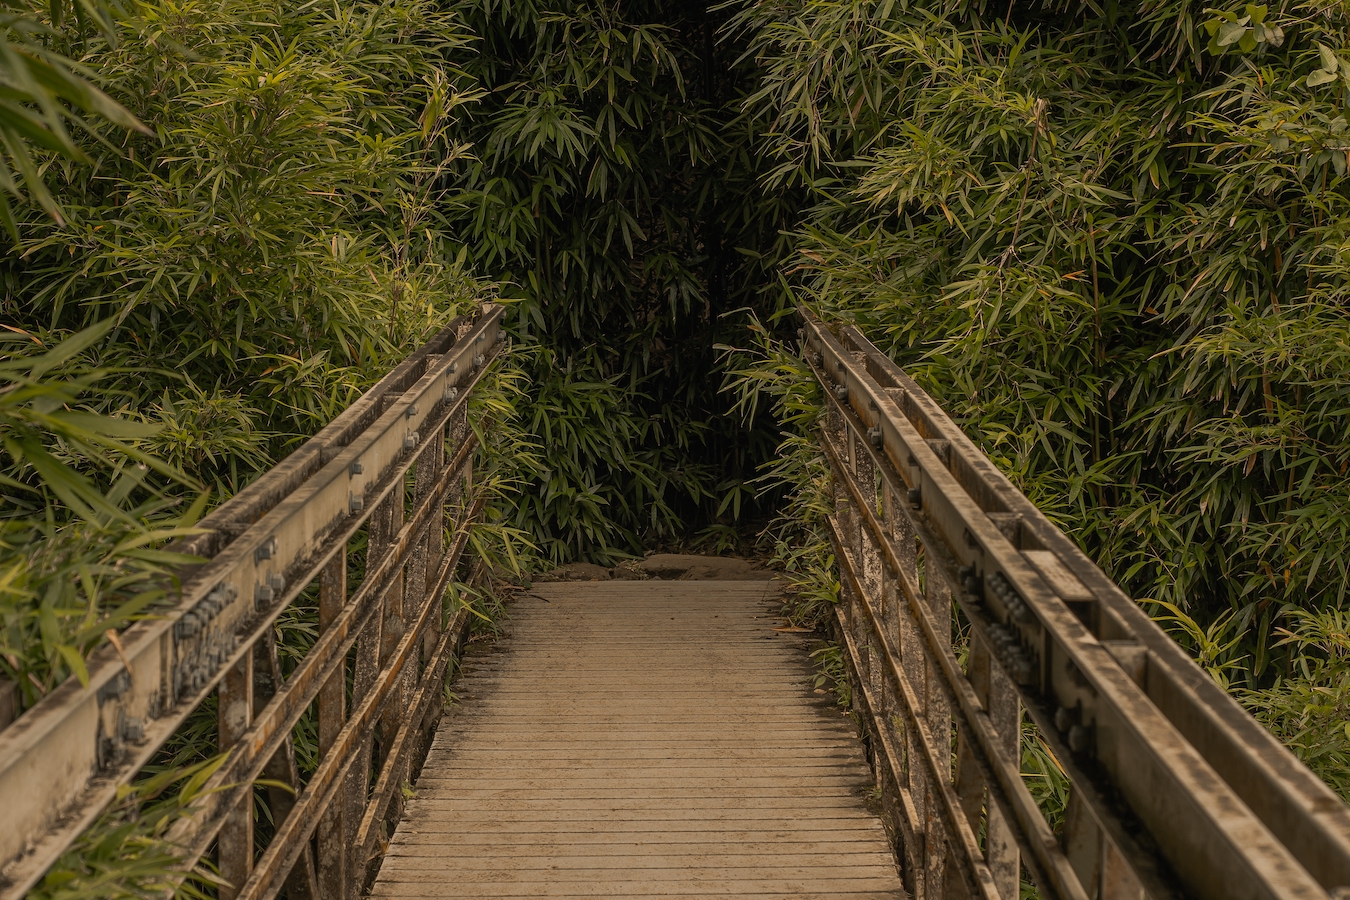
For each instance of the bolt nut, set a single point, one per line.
(451, 393)
(410, 440)
(412, 411)
(356, 504)
(1078, 738)
(478, 361)
(277, 581)
(265, 550)
(915, 496)
(1063, 719)
(263, 594)
(133, 729)
(356, 468)
(501, 337)
(874, 436)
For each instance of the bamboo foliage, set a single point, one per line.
(608, 187)
(232, 281)
(1111, 242)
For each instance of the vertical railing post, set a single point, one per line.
(426, 558)
(363, 679)
(384, 527)
(234, 713)
(333, 871)
(1001, 852)
(945, 879)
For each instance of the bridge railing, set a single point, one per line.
(1175, 790)
(395, 471)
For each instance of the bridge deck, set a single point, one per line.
(639, 739)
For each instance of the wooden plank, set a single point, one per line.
(639, 739)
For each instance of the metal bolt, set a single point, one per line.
(412, 411)
(277, 581)
(501, 337)
(915, 497)
(971, 583)
(451, 393)
(265, 551)
(841, 392)
(1078, 738)
(410, 440)
(454, 367)
(356, 468)
(263, 594)
(1063, 719)
(133, 729)
(874, 435)
(478, 361)
(356, 504)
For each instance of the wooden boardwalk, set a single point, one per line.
(642, 739)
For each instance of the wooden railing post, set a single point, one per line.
(234, 714)
(333, 871)
(368, 659)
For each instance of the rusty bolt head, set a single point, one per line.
(1078, 738)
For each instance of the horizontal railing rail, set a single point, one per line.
(1175, 790)
(395, 469)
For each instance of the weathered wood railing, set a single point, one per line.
(1175, 790)
(375, 673)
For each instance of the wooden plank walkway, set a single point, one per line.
(642, 739)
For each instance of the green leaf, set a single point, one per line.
(1231, 33)
(1329, 61)
(1320, 77)
(75, 662)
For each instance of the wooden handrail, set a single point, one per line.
(62, 761)
(1175, 790)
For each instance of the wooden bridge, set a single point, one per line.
(642, 738)
(660, 738)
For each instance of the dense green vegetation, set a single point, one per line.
(609, 187)
(1110, 240)
(236, 278)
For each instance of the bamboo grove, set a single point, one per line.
(1110, 238)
